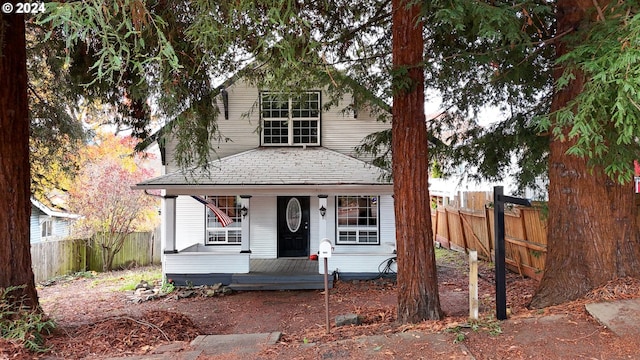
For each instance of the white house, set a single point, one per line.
(47, 224)
(286, 187)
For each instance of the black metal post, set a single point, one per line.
(501, 282)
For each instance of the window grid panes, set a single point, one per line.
(306, 106)
(275, 106)
(215, 232)
(357, 219)
(276, 132)
(305, 131)
(290, 121)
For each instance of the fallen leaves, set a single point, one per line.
(98, 322)
(123, 335)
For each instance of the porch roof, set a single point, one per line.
(276, 167)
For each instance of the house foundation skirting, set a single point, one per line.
(199, 279)
(254, 281)
(228, 279)
(347, 276)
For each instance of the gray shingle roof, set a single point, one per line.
(278, 166)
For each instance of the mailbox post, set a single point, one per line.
(324, 252)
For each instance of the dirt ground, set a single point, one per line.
(101, 322)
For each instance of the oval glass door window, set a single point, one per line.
(294, 215)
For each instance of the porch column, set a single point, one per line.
(168, 235)
(245, 245)
(322, 217)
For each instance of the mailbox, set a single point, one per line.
(325, 248)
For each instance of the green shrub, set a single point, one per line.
(21, 324)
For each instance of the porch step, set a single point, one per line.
(274, 281)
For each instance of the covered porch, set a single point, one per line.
(259, 274)
(281, 205)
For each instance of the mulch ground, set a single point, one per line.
(98, 322)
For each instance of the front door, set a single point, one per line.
(293, 226)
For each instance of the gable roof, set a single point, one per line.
(53, 213)
(276, 166)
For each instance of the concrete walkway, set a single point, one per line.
(244, 344)
(622, 316)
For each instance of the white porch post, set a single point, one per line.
(168, 235)
(322, 217)
(245, 245)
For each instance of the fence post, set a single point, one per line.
(473, 285)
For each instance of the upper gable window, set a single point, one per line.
(290, 120)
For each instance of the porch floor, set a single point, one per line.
(284, 266)
(281, 274)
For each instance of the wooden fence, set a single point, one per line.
(137, 251)
(525, 235)
(54, 258)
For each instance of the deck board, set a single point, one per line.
(283, 266)
(280, 274)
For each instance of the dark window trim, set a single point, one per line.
(320, 119)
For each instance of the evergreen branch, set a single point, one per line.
(599, 10)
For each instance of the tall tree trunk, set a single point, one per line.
(592, 232)
(417, 277)
(15, 204)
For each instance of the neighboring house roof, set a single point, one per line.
(273, 166)
(51, 212)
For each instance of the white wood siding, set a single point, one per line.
(190, 220)
(314, 222)
(264, 228)
(387, 223)
(340, 131)
(59, 226)
(240, 129)
(206, 262)
(357, 263)
(34, 225)
(190, 227)
(197, 258)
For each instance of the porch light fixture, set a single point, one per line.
(323, 211)
(244, 211)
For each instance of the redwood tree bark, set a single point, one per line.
(417, 277)
(592, 227)
(15, 205)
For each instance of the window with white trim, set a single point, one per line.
(46, 228)
(357, 219)
(215, 232)
(289, 120)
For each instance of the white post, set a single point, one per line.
(473, 285)
(322, 219)
(168, 232)
(245, 245)
(168, 235)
